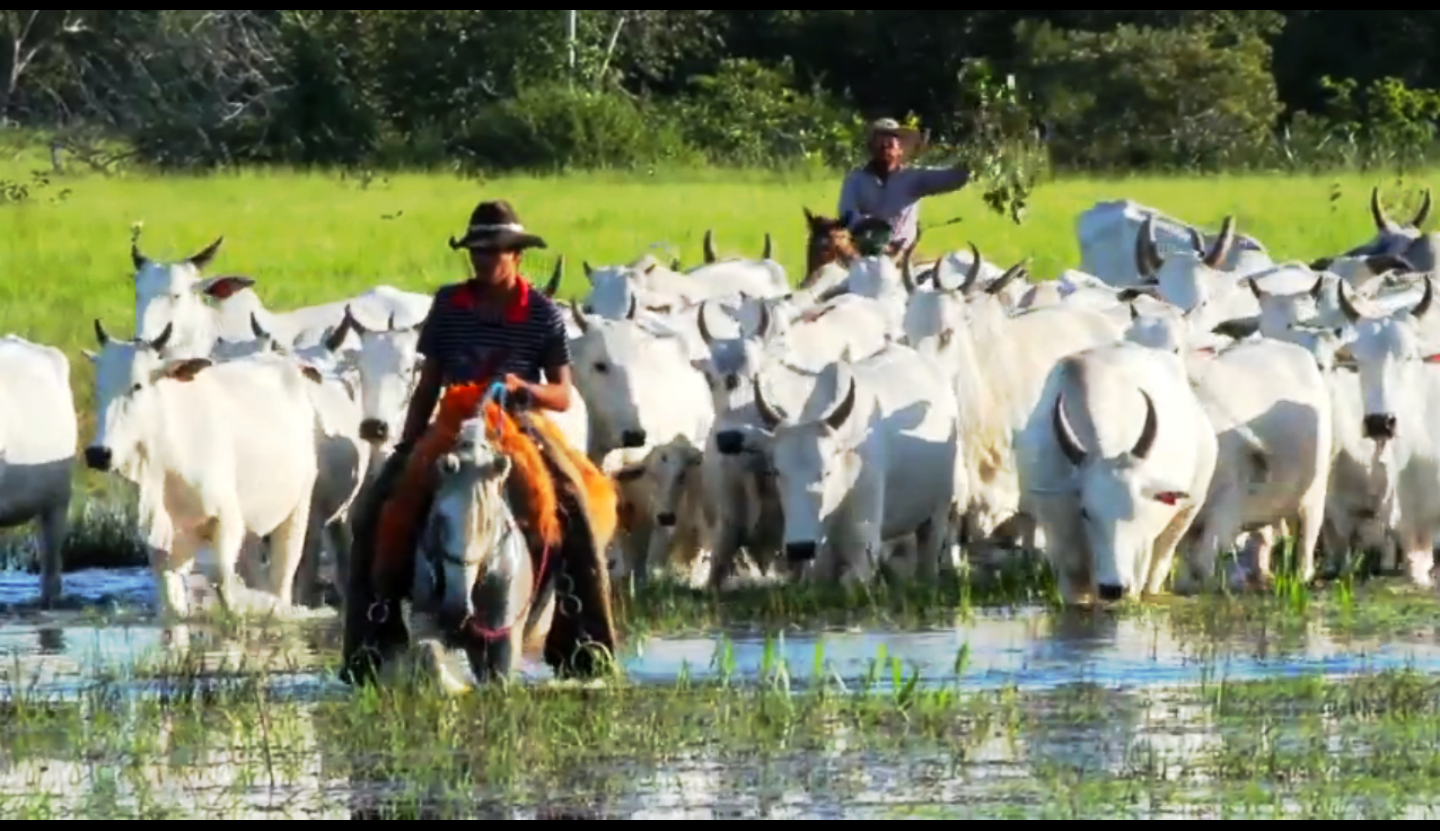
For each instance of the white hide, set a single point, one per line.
(1400, 388)
(1116, 459)
(38, 432)
(872, 456)
(638, 384)
(996, 366)
(1270, 408)
(1194, 281)
(216, 450)
(1108, 233)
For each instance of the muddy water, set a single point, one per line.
(1141, 661)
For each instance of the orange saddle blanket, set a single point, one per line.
(537, 509)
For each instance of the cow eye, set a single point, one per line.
(602, 367)
(731, 382)
(135, 388)
(1085, 515)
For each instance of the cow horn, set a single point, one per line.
(702, 325)
(675, 264)
(1425, 301)
(709, 247)
(1383, 223)
(762, 327)
(1346, 306)
(769, 252)
(342, 331)
(1223, 245)
(1149, 431)
(579, 318)
(202, 260)
(589, 270)
(1005, 279)
(1317, 291)
(1196, 241)
(1065, 436)
(256, 328)
(1147, 258)
(771, 418)
(101, 336)
(164, 338)
(555, 277)
(972, 277)
(634, 307)
(907, 270)
(1424, 212)
(1255, 288)
(1382, 263)
(842, 411)
(1134, 313)
(136, 257)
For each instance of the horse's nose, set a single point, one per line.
(373, 429)
(98, 458)
(1381, 426)
(633, 439)
(666, 520)
(801, 552)
(1112, 594)
(730, 443)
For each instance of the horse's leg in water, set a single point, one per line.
(374, 631)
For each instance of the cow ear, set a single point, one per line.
(186, 370)
(312, 373)
(222, 288)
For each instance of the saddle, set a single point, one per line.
(549, 480)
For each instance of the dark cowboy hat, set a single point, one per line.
(494, 225)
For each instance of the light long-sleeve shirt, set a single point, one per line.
(896, 198)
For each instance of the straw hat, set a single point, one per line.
(495, 225)
(910, 138)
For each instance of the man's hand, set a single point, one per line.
(518, 388)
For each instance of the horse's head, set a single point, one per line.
(471, 534)
(829, 242)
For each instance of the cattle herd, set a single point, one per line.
(1179, 392)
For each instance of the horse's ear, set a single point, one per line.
(450, 464)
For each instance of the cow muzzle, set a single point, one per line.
(801, 552)
(374, 430)
(98, 458)
(1381, 427)
(730, 443)
(632, 439)
(1111, 594)
(666, 520)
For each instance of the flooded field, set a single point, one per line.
(1324, 707)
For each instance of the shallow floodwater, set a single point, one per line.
(1139, 660)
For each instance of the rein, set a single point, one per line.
(498, 395)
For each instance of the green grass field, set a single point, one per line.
(313, 237)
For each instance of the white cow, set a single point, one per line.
(646, 285)
(1417, 248)
(1270, 407)
(174, 293)
(1401, 394)
(872, 456)
(638, 384)
(1116, 459)
(1193, 280)
(38, 432)
(737, 459)
(996, 364)
(342, 452)
(216, 450)
(1108, 233)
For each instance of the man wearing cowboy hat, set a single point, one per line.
(886, 192)
(494, 326)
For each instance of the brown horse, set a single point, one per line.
(829, 241)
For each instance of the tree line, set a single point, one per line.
(502, 90)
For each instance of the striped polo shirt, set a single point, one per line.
(526, 337)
